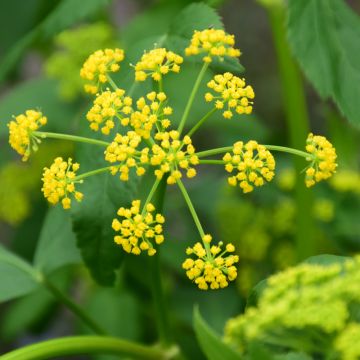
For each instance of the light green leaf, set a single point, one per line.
(324, 37)
(17, 277)
(211, 344)
(326, 259)
(57, 243)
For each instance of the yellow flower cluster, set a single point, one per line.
(213, 43)
(20, 132)
(323, 159)
(139, 230)
(148, 115)
(59, 182)
(97, 66)
(347, 343)
(170, 157)
(254, 163)
(232, 92)
(107, 107)
(123, 150)
(211, 268)
(157, 63)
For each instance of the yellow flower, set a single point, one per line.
(123, 151)
(139, 230)
(232, 92)
(59, 182)
(211, 268)
(213, 43)
(157, 63)
(21, 128)
(148, 115)
(171, 155)
(107, 107)
(97, 66)
(346, 180)
(323, 159)
(253, 163)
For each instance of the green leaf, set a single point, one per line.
(255, 293)
(326, 260)
(211, 344)
(324, 36)
(57, 243)
(92, 218)
(17, 277)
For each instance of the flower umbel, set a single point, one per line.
(253, 162)
(213, 43)
(323, 159)
(21, 128)
(211, 268)
(233, 94)
(98, 65)
(139, 230)
(59, 182)
(156, 63)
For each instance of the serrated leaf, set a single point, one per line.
(211, 344)
(17, 277)
(324, 36)
(57, 243)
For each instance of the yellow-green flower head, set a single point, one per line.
(97, 66)
(139, 229)
(212, 43)
(232, 94)
(123, 151)
(150, 114)
(346, 180)
(59, 182)
(109, 106)
(21, 129)
(156, 63)
(324, 209)
(253, 163)
(211, 268)
(323, 159)
(347, 343)
(172, 155)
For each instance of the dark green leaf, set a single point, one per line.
(211, 344)
(57, 243)
(17, 277)
(255, 293)
(324, 36)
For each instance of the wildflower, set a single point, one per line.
(107, 107)
(157, 63)
(123, 150)
(21, 130)
(59, 182)
(346, 180)
(233, 94)
(323, 159)
(347, 343)
(253, 162)
(149, 115)
(211, 268)
(139, 230)
(170, 156)
(213, 43)
(98, 65)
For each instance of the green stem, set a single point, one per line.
(200, 122)
(214, 151)
(194, 215)
(93, 172)
(152, 192)
(112, 83)
(213, 162)
(298, 129)
(73, 307)
(160, 86)
(192, 97)
(44, 135)
(160, 303)
(303, 154)
(87, 345)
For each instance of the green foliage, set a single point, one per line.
(210, 342)
(324, 37)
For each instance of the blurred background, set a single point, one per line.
(273, 228)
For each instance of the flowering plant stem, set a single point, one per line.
(298, 127)
(44, 135)
(192, 96)
(201, 121)
(82, 345)
(194, 215)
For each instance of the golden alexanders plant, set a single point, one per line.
(147, 141)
